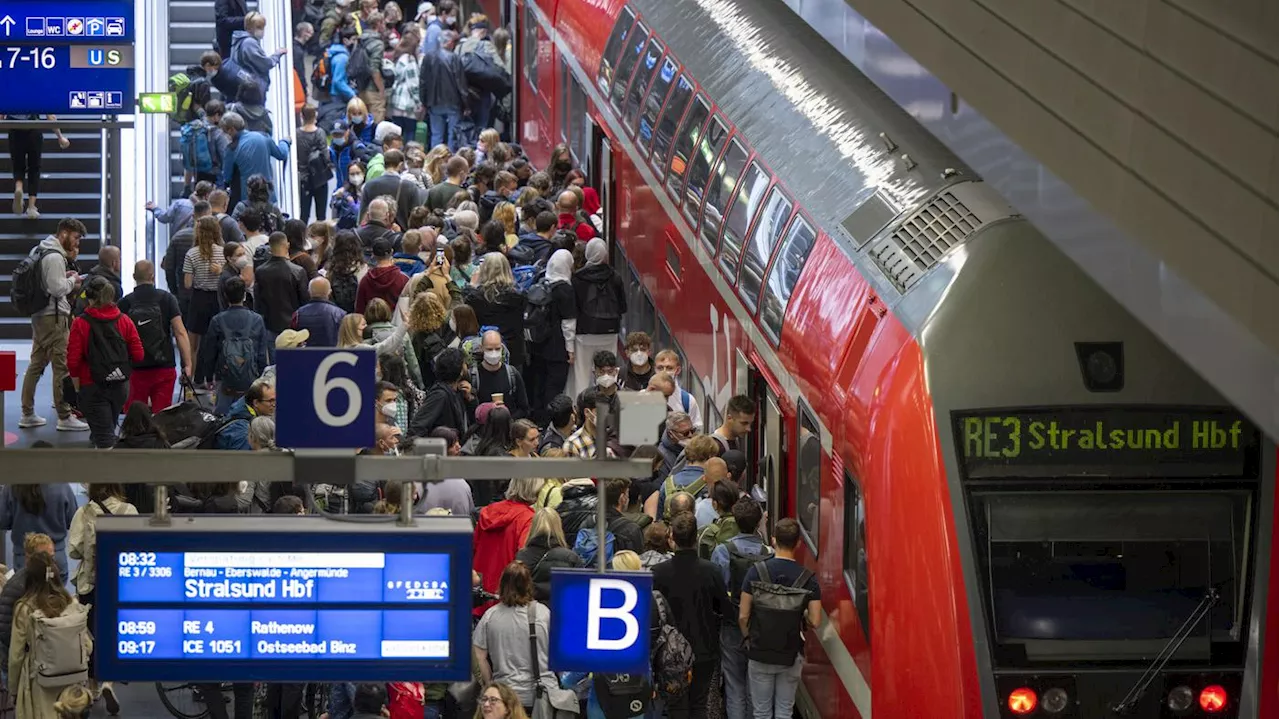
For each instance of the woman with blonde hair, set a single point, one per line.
(43, 597)
(499, 701)
(351, 334)
(505, 213)
(546, 549)
(359, 119)
(436, 159)
(627, 561)
(429, 332)
(378, 328)
(74, 702)
(201, 270)
(502, 529)
(497, 302)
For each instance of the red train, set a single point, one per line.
(1018, 501)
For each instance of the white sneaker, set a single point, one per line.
(72, 424)
(17, 202)
(32, 420)
(33, 213)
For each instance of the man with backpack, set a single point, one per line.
(444, 92)
(365, 68)
(571, 219)
(621, 532)
(699, 601)
(159, 321)
(682, 400)
(780, 599)
(735, 558)
(234, 351)
(108, 268)
(101, 351)
(42, 285)
(495, 375)
(691, 478)
(279, 286)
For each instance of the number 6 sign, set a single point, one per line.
(325, 398)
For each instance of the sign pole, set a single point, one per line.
(602, 452)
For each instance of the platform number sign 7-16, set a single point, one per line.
(325, 398)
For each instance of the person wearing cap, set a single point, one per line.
(279, 287)
(440, 17)
(388, 136)
(385, 280)
(287, 340)
(340, 148)
(320, 317)
(153, 378)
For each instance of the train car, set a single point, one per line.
(1018, 502)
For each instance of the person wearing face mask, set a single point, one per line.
(247, 52)
(605, 384)
(494, 375)
(339, 57)
(446, 402)
(639, 367)
(362, 127)
(562, 425)
(346, 199)
(601, 300)
(582, 443)
(392, 408)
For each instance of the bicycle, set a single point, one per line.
(184, 700)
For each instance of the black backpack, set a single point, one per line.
(27, 291)
(359, 71)
(623, 695)
(739, 564)
(157, 347)
(484, 74)
(539, 313)
(108, 352)
(777, 618)
(601, 302)
(344, 287)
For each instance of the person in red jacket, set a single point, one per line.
(570, 218)
(385, 280)
(101, 351)
(501, 531)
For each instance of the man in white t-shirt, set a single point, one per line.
(681, 400)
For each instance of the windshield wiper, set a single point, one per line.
(1166, 654)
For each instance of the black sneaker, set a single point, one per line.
(109, 699)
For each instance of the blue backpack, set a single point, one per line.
(585, 546)
(194, 140)
(525, 276)
(239, 363)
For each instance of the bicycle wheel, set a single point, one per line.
(182, 700)
(315, 699)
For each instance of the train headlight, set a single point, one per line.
(1180, 698)
(1213, 699)
(1023, 700)
(1055, 700)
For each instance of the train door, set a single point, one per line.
(602, 158)
(771, 462)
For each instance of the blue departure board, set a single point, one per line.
(74, 57)
(225, 599)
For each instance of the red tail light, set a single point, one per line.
(1024, 700)
(1213, 699)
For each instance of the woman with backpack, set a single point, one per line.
(497, 302)
(344, 269)
(429, 333)
(101, 350)
(82, 545)
(601, 300)
(545, 550)
(378, 327)
(36, 646)
(552, 333)
(201, 270)
(251, 104)
(502, 636)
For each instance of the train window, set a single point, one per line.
(724, 180)
(530, 47)
(809, 479)
(566, 121)
(580, 135)
(665, 131)
(631, 54)
(777, 210)
(653, 103)
(785, 273)
(700, 167)
(745, 203)
(663, 338)
(688, 136)
(607, 61)
(693, 384)
(640, 86)
(673, 259)
(855, 550)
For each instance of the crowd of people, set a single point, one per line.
(485, 289)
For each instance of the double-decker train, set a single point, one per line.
(1018, 502)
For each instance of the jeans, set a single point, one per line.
(102, 405)
(444, 120)
(342, 696)
(408, 127)
(241, 700)
(153, 387)
(693, 705)
(773, 688)
(49, 335)
(733, 667)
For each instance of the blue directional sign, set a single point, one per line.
(275, 599)
(71, 58)
(325, 398)
(600, 622)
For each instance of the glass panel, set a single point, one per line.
(644, 76)
(666, 130)
(747, 200)
(531, 48)
(772, 222)
(855, 551)
(566, 90)
(653, 103)
(809, 486)
(700, 167)
(786, 272)
(580, 136)
(620, 32)
(720, 190)
(631, 53)
(685, 140)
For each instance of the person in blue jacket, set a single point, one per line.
(247, 52)
(339, 56)
(235, 321)
(259, 401)
(250, 154)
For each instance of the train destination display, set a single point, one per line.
(338, 609)
(1112, 441)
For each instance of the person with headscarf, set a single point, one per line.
(602, 301)
(549, 360)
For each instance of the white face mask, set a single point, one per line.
(493, 356)
(453, 324)
(259, 34)
(241, 262)
(606, 380)
(639, 357)
(389, 410)
(357, 180)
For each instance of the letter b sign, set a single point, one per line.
(600, 622)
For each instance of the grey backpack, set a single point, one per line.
(60, 647)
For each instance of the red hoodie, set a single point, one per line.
(584, 230)
(500, 533)
(78, 342)
(385, 282)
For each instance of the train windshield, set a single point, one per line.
(1112, 575)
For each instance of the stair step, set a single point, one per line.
(192, 33)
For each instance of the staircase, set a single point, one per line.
(71, 186)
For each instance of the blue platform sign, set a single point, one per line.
(73, 57)
(283, 599)
(600, 622)
(325, 397)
